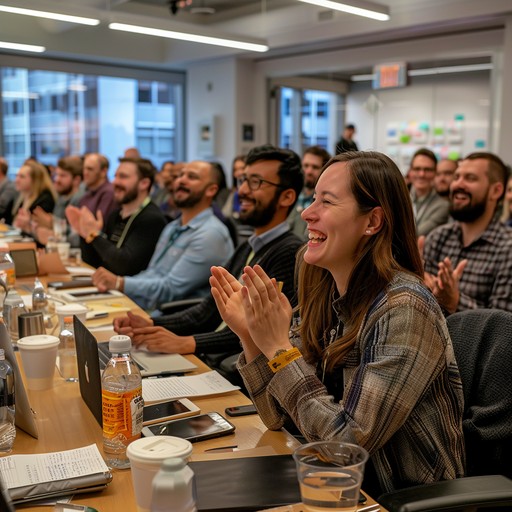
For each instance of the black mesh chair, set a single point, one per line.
(482, 341)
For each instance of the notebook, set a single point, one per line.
(92, 358)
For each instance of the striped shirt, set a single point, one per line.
(487, 279)
(402, 395)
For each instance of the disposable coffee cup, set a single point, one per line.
(146, 457)
(30, 324)
(63, 250)
(64, 310)
(38, 355)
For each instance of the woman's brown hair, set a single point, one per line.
(375, 181)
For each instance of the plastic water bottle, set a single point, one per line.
(174, 488)
(7, 427)
(122, 403)
(39, 297)
(13, 307)
(66, 355)
(7, 272)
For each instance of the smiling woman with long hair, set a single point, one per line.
(35, 189)
(368, 358)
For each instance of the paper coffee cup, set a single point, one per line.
(146, 456)
(63, 250)
(38, 355)
(64, 310)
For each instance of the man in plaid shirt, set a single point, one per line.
(468, 263)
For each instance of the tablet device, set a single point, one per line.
(196, 428)
(167, 411)
(88, 293)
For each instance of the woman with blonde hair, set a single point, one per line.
(368, 359)
(35, 189)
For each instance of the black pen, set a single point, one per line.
(95, 316)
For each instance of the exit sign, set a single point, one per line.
(386, 76)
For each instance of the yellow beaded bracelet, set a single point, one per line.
(284, 358)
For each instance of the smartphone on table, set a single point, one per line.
(195, 428)
(170, 410)
(241, 410)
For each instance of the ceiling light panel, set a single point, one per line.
(366, 9)
(49, 15)
(185, 36)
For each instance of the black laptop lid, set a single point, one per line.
(89, 376)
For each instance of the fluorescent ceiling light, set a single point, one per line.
(450, 69)
(22, 47)
(358, 7)
(464, 68)
(185, 36)
(49, 15)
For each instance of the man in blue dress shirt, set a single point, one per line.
(186, 249)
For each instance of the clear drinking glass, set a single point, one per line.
(330, 475)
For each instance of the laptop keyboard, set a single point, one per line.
(105, 355)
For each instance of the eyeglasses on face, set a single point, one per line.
(254, 182)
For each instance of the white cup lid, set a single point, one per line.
(158, 448)
(71, 309)
(38, 342)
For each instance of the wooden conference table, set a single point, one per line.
(65, 422)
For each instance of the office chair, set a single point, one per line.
(482, 341)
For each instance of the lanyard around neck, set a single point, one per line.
(130, 221)
(174, 235)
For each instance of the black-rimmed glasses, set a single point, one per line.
(254, 182)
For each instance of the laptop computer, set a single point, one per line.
(25, 262)
(92, 357)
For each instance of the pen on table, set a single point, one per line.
(99, 314)
(231, 448)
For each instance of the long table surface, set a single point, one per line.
(64, 422)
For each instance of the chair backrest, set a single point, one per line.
(482, 341)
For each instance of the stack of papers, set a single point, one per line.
(167, 388)
(37, 476)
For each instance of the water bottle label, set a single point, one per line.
(8, 276)
(122, 413)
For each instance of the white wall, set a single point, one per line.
(211, 94)
(458, 105)
(233, 93)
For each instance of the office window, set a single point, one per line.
(144, 92)
(164, 144)
(50, 114)
(322, 109)
(164, 94)
(307, 117)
